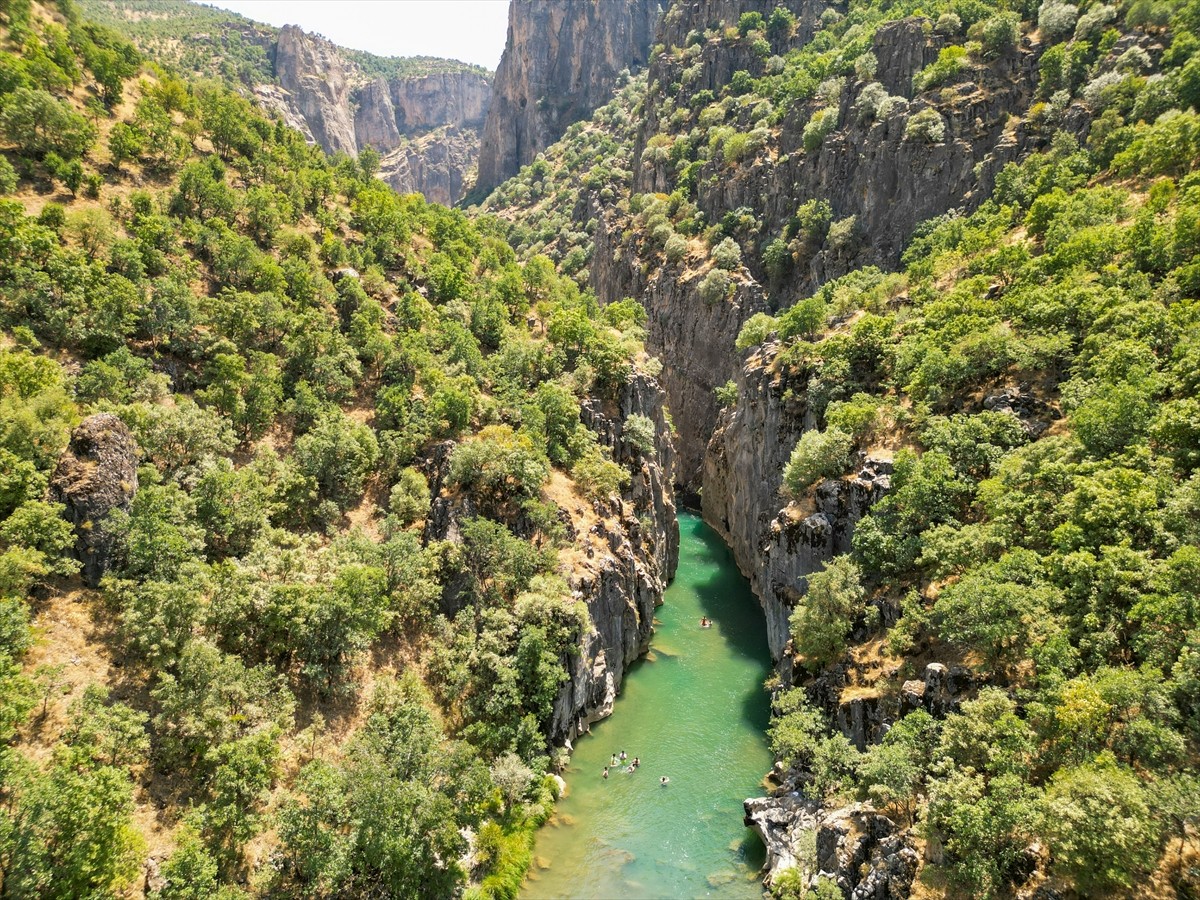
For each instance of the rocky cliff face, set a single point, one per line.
(560, 62)
(426, 126)
(96, 475)
(438, 164)
(628, 557)
(314, 76)
(622, 554)
(682, 328)
(864, 853)
(777, 545)
(879, 180)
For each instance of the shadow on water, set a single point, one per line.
(694, 710)
(725, 597)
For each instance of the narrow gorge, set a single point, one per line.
(735, 448)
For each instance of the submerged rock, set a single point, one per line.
(95, 475)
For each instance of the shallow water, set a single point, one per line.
(693, 710)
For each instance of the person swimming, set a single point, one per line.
(636, 762)
(664, 781)
(705, 622)
(623, 756)
(613, 762)
(606, 773)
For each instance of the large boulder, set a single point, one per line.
(96, 474)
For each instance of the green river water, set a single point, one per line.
(693, 710)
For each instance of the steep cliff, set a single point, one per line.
(560, 62)
(777, 544)
(425, 124)
(623, 552)
(627, 554)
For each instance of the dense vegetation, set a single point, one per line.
(1057, 558)
(290, 681)
(1048, 545)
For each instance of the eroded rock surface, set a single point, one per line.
(561, 61)
(426, 126)
(864, 853)
(96, 475)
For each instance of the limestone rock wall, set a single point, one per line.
(776, 545)
(560, 62)
(623, 581)
(425, 126)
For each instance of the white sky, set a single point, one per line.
(469, 30)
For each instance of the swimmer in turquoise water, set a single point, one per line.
(606, 773)
(664, 781)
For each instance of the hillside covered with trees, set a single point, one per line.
(336, 437)
(1003, 660)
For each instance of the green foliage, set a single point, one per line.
(38, 123)
(833, 601)
(817, 455)
(1099, 819)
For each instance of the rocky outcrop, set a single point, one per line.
(561, 61)
(864, 853)
(318, 87)
(437, 164)
(696, 336)
(622, 552)
(628, 557)
(426, 126)
(96, 475)
(776, 545)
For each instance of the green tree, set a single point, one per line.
(824, 616)
(1100, 826)
(38, 124)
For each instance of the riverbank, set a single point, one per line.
(694, 711)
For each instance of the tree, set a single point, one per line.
(1100, 828)
(825, 614)
(125, 142)
(338, 454)
(409, 499)
(39, 124)
(818, 454)
(42, 527)
(72, 834)
(190, 872)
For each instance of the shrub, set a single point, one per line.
(714, 286)
(823, 121)
(948, 23)
(875, 103)
(727, 254)
(927, 125)
(826, 613)
(817, 455)
(1000, 34)
(951, 60)
(639, 432)
(675, 248)
(754, 331)
(1056, 20)
(750, 21)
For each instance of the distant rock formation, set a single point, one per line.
(425, 126)
(95, 475)
(560, 62)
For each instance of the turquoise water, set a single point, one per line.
(693, 710)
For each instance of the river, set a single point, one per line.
(693, 710)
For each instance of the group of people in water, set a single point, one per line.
(618, 759)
